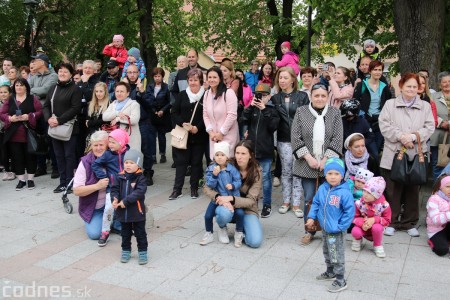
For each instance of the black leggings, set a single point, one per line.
(21, 159)
(439, 241)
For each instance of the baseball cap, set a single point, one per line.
(42, 57)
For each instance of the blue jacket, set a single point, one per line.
(109, 165)
(333, 207)
(218, 183)
(252, 79)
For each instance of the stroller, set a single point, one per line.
(67, 205)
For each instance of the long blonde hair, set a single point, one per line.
(93, 105)
(427, 88)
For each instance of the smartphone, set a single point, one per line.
(18, 112)
(325, 67)
(258, 97)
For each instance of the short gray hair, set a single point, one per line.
(99, 136)
(89, 62)
(442, 75)
(181, 57)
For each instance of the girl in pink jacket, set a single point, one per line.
(289, 59)
(438, 216)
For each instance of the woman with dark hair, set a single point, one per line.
(19, 113)
(267, 74)
(308, 76)
(251, 175)
(340, 86)
(63, 104)
(247, 94)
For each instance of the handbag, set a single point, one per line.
(443, 150)
(36, 143)
(109, 128)
(64, 131)
(410, 172)
(180, 135)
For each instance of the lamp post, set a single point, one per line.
(29, 35)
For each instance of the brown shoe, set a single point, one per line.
(307, 239)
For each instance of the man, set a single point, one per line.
(181, 64)
(111, 76)
(251, 77)
(7, 64)
(98, 66)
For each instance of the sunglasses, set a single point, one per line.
(319, 86)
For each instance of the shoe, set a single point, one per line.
(155, 161)
(149, 179)
(413, 232)
(307, 239)
(284, 208)
(59, 189)
(40, 172)
(337, 286)
(266, 211)
(142, 257)
(208, 237)
(194, 193)
(238, 236)
(389, 231)
(8, 176)
(173, 166)
(297, 212)
(103, 240)
(188, 171)
(379, 251)
(276, 182)
(163, 159)
(20, 185)
(326, 276)
(356, 245)
(30, 184)
(55, 174)
(223, 235)
(126, 255)
(175, 195)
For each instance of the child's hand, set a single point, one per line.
(216, 170)
(309, 223)
(368, 223)
(229, 206)
(229, 186)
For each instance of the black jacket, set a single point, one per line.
(159, 102)
(180, 82)
(358, 124)
(297, 99)
(363, 95)
(261, 126)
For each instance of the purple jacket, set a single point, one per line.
(289, 59)
(87, 203)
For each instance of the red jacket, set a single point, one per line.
(121, 54)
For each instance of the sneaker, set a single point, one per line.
(389, 231)
(8, 176)
(149, 179)
(175, 195)
(194, 193)
(276, 182)
(40, 172)
(55, 174)
(126, 255)
(30, 184)
(307, 239)
(284, 208)
(413, 232)
(208, 238)
(20, 185)
(103, 240)
(223, 235)
(163, 159)
(238, 236)
(326, 276)
(356, 245)
(266, 211)
(59, 189)
(142, 257)
(379, 251)
(337, 286)
(297, 212)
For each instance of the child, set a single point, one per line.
(438, 216)
(134, 58)
(356, 155)
(129, 196)
(369, 49)
(225, 179)
(108, 166)
(333, 206)
(356, 183)
(372, 215)
(116, 50)
(289, 59)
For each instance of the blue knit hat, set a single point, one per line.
(336, 164)
(135, 53)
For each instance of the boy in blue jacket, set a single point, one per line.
(334, 207)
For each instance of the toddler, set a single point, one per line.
(356, 183)
(134, 58)
(369, 49)
(116, 50)
(289, 59)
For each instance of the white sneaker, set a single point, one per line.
(284, 208)
(223, 235)
(238, 236)
(356, 245)
(276, 182)
(379, 251)
(389, 231)
(207, 238)
(413, 232)
(297, 212)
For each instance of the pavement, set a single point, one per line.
(45, 254)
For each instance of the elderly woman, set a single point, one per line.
(442, 100)
(316, 136)
(92, 192)
(400, 118)
(126, 113)
(308, 76)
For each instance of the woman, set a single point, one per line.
(308, 75)
(251, 175)
(98, 105)
(247, 94)
(316, 136)
(126, 113)
(425, 95)
(442, 101)
(21, 111)
(267, 74)
(5, 93)
(63, 104)
(340, 86)
(13, 74)
(92, 192)
(286, 102)
(187, 106)
(24, 72)
(399, 119)
(160, 112)
(220, 111)
(229, 76)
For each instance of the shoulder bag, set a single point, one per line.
(443, 150)
(108, 127)
(61, 132)
(36, 143)
(180, 135)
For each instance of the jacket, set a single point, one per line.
(339, 94)
(140, 65)
(40, 83)
(396, 119)
(357, 194)
(297, 99)
(229, 175)
(110, 83)
(109, 165)
(375, 56)
(442, 115)
(135, 94)
(362, 94)
(378, 209)
(333, 207)
(130, 188)
(438, 214)
(160, 101)
(261, 126)
(358, 124)
(121, 54)
(180, 82)
(252, 79)
(289, 59)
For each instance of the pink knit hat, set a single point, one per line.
(121, 136)
(118, 37)
(286, 44)
(375, 186)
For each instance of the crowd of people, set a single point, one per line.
(333, 134)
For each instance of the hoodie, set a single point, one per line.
(289, 59)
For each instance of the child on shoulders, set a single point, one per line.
(134, 58)
(289, 59)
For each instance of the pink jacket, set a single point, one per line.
(221, 116)
(379, 209)
(438, 214)
(338, 95)
(289, 59)
(247, 95)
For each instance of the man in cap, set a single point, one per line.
(111, 76)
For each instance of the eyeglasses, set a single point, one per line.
(319, 86)
(132, 72)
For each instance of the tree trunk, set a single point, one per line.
(146, 34)
(282, 26)
(419, 26)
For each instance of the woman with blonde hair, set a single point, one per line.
(229, 75)
(97, 106)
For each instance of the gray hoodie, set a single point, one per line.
(41, 82)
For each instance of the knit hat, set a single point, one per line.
(363, 175)
(286, 44)
(118, 37)
(134, 155)
(335, 164)
(369, 43)
(121, 136)
(135, 53)
(223, 147)
(375, 186)
(348, 139)
(262, 88)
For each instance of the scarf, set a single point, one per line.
(195, 97)
(121, 104)
(443, 196)
(354, 163)
(318, 131)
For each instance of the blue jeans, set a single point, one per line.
(160, 133)
(309, 190)
(238, 217)
(147, 137)
(252, 227)
(266, 164)
(94, 228)
(434, 160)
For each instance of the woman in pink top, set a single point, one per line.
(340, 86)
(247, 94)
(220, 111)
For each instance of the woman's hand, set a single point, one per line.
(219, 137)
(212, 135)
(193, 130)
(322, 163)
(229, 206)
(312, 162)
(102, 183)
(52, 122)
(122, 115)
(24, 117)
(113, 121)
(444, 125)
(13, 118)
(160, 113)
(221, 200)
